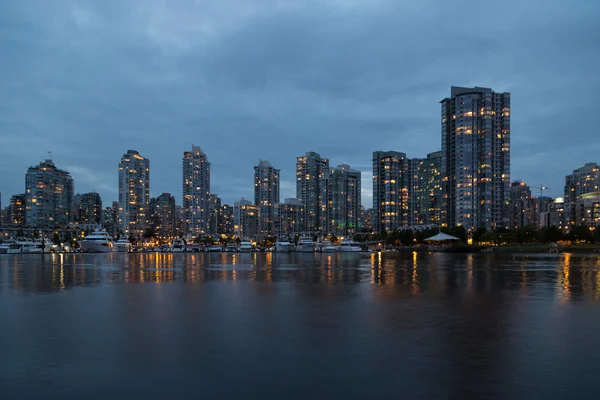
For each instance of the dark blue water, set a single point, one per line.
(299, 326)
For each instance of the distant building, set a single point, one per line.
(228, 220)
(542, 205)
(391, 183)
(162, 217)
(110, 219)
(476, 157)
(215, 212)
(521, 207)
(555, 215)
(290, 218)
(246, 219)
(340, 201)
(310, 169)
(87, 208)
(368, 220)
(134, 193)
(266, 197)
(196, 191)
(16, 210)
(587, 210)
(48, 196)
(582, 181)
(428, 194)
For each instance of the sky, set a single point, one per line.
(273, 79)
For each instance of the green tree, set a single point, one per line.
(582, 233)
(149, 233)
(479, 232)
(488, 237)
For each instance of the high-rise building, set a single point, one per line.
(48, 196)
(368, 220)
(476, 157)
(266, 197)
(391, 182)
(215, 212)
(87, 208)
(17, 210)
(522, 206)
(340, 201)
(289, 219)
(310, 169)
(555, 215)
(134, 193)
(162, 217)
(587, 210)
(428, 198)
(110, 219)
(582, 181)
(196, 191)
(542, 206)
(246, 219)
(228, 220)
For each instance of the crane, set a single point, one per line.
(542, 188)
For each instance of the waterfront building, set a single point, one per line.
(48, 196)
(87, 208)
(555, 216)
(582, 181)
(162, 217)
(340, 201)
(391, 181)
(134, 193)
(542, 206)
(215, 212)
(110, 219)
(587, 210)
(368, 220)
(522, 206)
(228, 220)
(266, 197)
(16, 210)
(476, 157)
(246, 219)
(310, 169)
(196, 191)
(428, 198)
(290, 218)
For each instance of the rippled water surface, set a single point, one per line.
(300, 326)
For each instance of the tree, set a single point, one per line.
(56, 239)
(582, 233)
(479, 232)
(488, 237)
(333, 239)
(149, 233)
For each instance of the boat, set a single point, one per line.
(331, 248)
(123, 245)
(5, 246)
(349, 246)
(284, 246)
(306, 245)
(217, 248)
(246, 246)
(178, 245)
(231, 248)
(98, 241)
(42, 245)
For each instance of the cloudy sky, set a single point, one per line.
(272, 79)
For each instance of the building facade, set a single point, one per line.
(162, 217)
(110, 219)
(196, 191)
(134, 193)
(522, 208)
(428, 200)
(87, 208)
(391, 180)
(266, 197)
(310, 169)
(587, 210)
(290, 218)
(48, 196)
(246, 219)
(215, 212)
(228, 220)
(340, 201)
(582, 181)
(476, 157)
(16, 210)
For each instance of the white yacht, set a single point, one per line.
(306, 245)
(231, 248)
(331, 248)
(284, 246)
(246, 246)
(217, 248)
(123, 245)
(350, 246)
(178, 245)
(97, 242)
(5, 246)
(41, 245)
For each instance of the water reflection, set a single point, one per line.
(564, 276)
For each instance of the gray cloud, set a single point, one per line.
(274, 79)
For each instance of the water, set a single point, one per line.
(299, 326)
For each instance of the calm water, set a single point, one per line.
(300, 326)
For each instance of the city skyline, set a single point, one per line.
(282, 81)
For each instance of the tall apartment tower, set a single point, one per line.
(476, 157)
(196, 191)
(162, 216)
(310, 169)
(246, 219)
(340, 201)
(48, 196)
(17, 210)
(428, 196)
(390, 191)
(266, 197)
(87, 208)
(134, 193)
(522, 210)
(582, 181)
